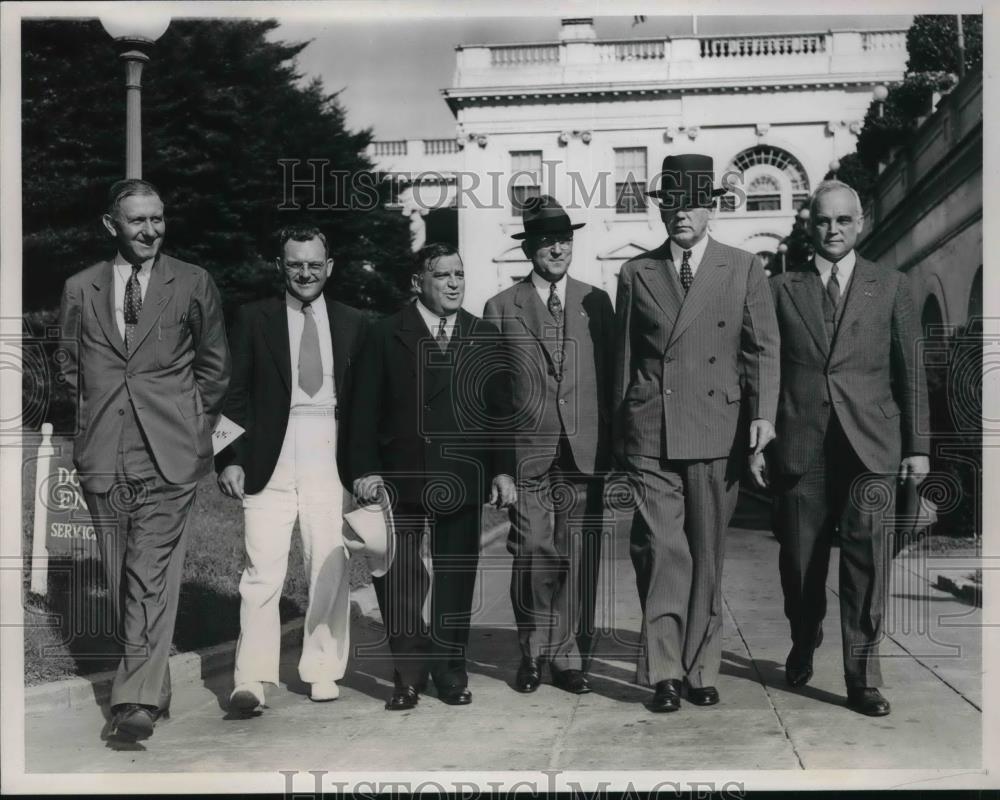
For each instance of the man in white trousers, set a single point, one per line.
(291, 365)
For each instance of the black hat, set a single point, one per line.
(544, 215)
(686, 181)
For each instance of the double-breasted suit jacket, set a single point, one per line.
(260, 392)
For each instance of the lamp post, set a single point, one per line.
(834, 166)
(135, 31)
(782, 255)
(880, 93)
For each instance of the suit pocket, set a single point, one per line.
(191, 407)
(171, 340)
(733, 393)
(889, 408)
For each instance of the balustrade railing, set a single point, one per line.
(389, 148)
(751, 46)
(524, 55)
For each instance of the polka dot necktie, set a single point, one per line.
(133, 305)
(687, 276)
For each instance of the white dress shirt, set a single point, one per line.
(697, 254)
(433, 321)
(543, 287)
(122, 273)
(845, 268)
(326, 397)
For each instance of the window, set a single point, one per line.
(776, 180)
(526, 178)
(630, 178)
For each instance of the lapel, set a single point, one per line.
(655, 276)
(410, 330)
(707, 280)
(104, 306)
(340, 335)
(861, 292)
(577, 327)
(276, 336)
(536, 317)
(158, 294)
(806, 290)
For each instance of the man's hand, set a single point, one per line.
(503, 493)
(758, 470)
(761, 432)
(915, 468)
(368, 488)
(231, 481)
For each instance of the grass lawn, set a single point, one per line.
(66, 631)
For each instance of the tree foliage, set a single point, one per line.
(222, 106)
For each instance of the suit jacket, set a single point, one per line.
(870, 373)
(176, 375)
(684, 364)
(260, 392)
(424, 420)
(541, 405)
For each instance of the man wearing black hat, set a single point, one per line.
(696, 345)
(558, 336)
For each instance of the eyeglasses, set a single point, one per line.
(312, 267)
(563, 240)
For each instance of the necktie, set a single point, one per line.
(833, 286)
(556, 310)
(442, 335)
(133, 305)
(687, 276)
(310, 362)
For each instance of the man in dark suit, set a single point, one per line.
(852, 416)
(557, 340)
(696, 340)
(291, 366)
(423, 430)
(151, 367)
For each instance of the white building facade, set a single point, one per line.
(589, 121)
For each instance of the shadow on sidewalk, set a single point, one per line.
(771, 675)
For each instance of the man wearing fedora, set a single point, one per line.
(557, 337)
(292, 358)
(852, 418)
(696, 358)
(423, 432)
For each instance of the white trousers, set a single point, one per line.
(305, 485)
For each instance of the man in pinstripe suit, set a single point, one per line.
(852, 414)
(696, 341)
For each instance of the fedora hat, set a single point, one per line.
(687, 181)
(543, 215)
(369, 532)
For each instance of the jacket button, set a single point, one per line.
(668, 392)
(667, 359)
(722, 323)
(711, 392)
(826, 402)
(711, 360)
(121, 412)
(562, 401)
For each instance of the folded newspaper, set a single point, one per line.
(226, 432)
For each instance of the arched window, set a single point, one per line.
(773, 180)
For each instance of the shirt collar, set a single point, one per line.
(697, 252)
(544, 286)
(144, 269)
(844, 267)
(433, 321)
(318, 305)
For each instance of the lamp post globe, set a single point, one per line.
(135, 30)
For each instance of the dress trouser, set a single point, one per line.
(438, 645)
(837, 490)
(677, 548)
(555, 538)
(141, 525)
(305, 485)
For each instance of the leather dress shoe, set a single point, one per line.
(134, 721)
(702, 695)
(667, 696)
(799, 664)
(457, 696)
(867, 701)
(403, 699)
(571, 680)
(529, 675)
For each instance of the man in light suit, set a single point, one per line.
(852, 417)
(696, 341)
(423, 432)
(151, 368)
(291, 367)
(557, 341)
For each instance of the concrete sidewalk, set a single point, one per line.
(931, 665)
